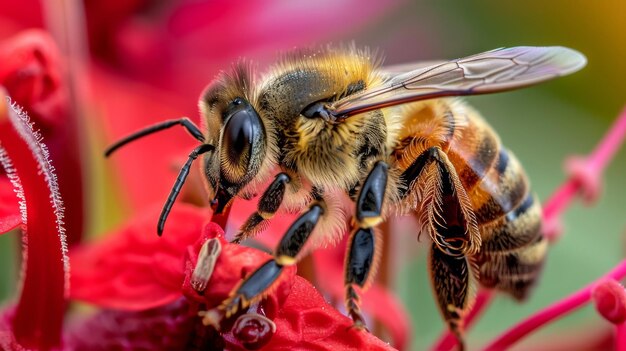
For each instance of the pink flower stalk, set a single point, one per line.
(554, 311)
(584, 179)
(36, 321)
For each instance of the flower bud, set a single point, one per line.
(609, 298)
(253, 330)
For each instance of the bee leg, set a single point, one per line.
(364, 244)
(447, 214)
(445, 207)
(268, 205)
(450, 278)
(180, 180)
(260, 282)
(369, 203)
(185, 122)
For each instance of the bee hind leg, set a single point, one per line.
(446, 213)
(364, 244)
(261, 282)
(450, 278)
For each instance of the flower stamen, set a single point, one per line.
(207, 257)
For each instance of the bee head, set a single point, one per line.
(237, 131)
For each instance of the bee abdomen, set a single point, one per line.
(508, 214)
(515, 229)
(514, 272)
(513, 249)
(501, 190)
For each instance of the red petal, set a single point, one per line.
(234, 263)
(134, 269)
(306, 321)
(10, 216)
(302, 317)
(189, 42)
(32, 72)
(19, 16)
(39, 313)
(377, 302)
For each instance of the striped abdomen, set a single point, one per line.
(507, 212)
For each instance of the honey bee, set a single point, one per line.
(348, 144)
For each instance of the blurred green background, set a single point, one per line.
(542, 125)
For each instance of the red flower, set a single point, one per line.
(145, 284)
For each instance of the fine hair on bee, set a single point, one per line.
(348, 143)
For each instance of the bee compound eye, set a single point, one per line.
(239, 133)
(241, 141)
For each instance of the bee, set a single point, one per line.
(348, 144)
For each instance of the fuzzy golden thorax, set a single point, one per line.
(327, 154)
(336, 155)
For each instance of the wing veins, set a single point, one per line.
(491, 71)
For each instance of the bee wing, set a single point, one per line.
(488, 72)
(389, 72)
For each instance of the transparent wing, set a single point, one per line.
(393, 70)
(488, 72)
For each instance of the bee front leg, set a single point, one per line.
(364, 244)
(260, 282)
(269, 203)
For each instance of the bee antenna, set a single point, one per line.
(185, 122)
(180, 180)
